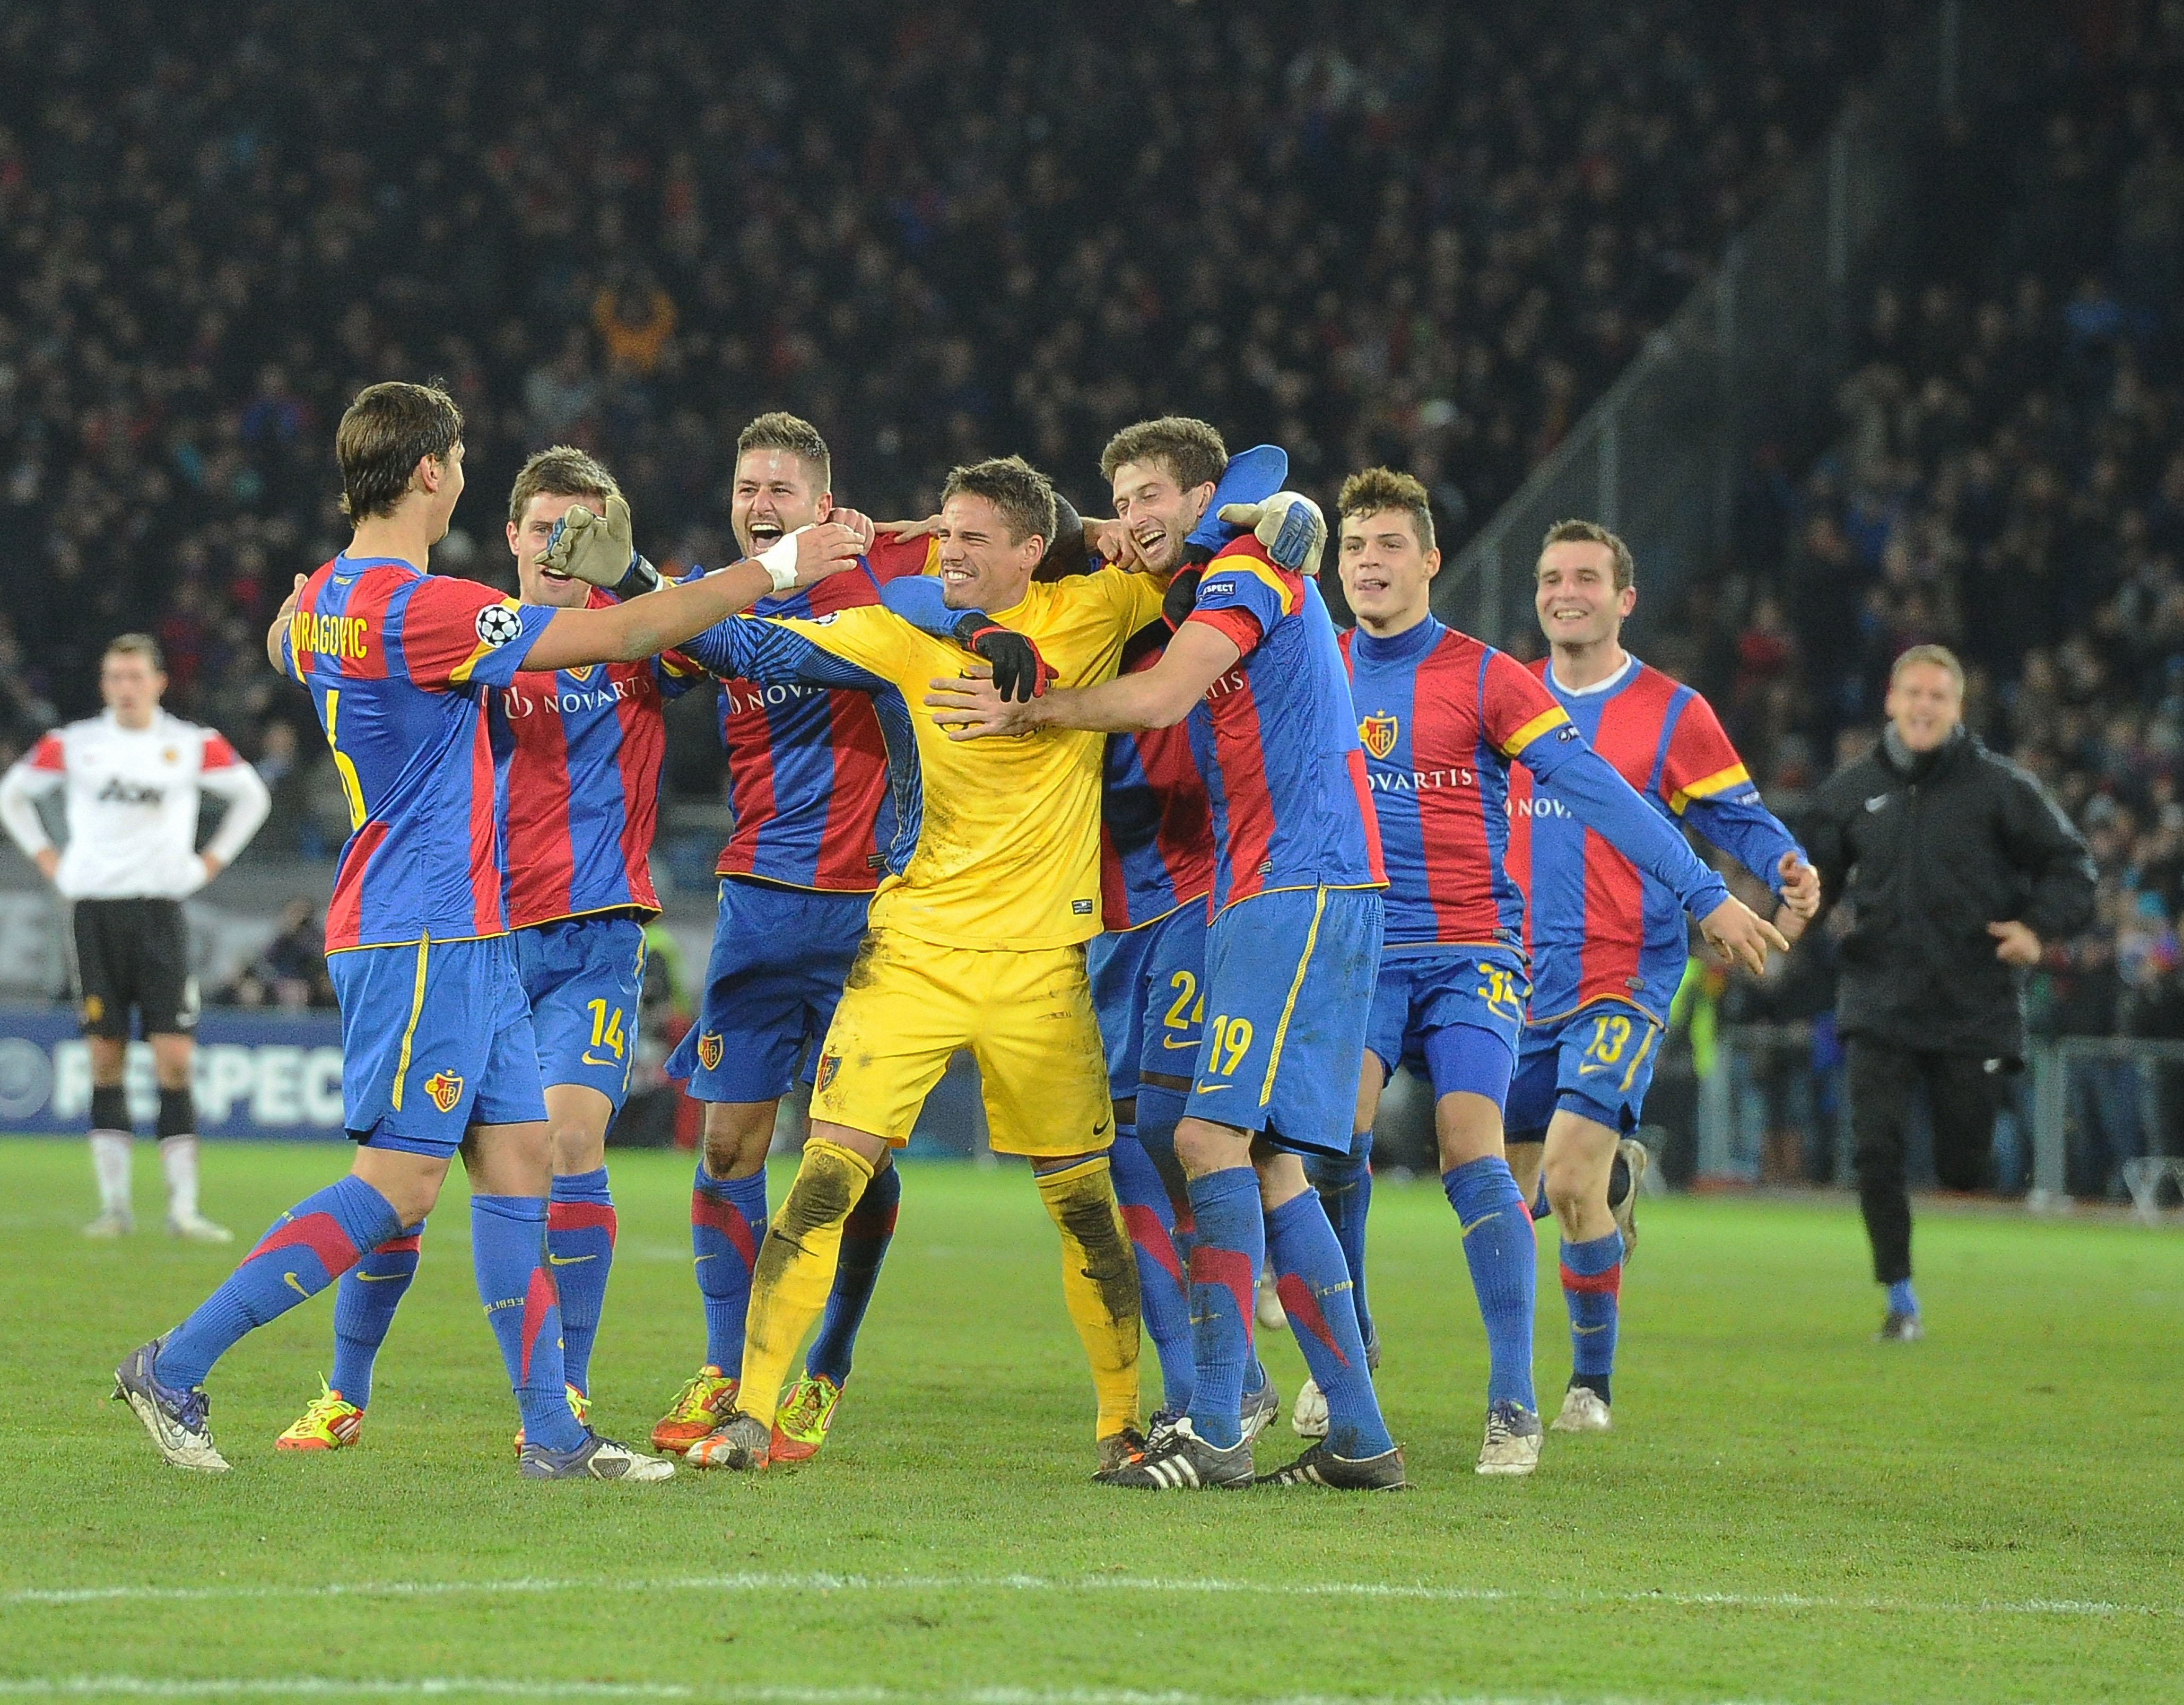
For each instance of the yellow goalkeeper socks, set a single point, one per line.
(1098, 1283)
(795, 1269)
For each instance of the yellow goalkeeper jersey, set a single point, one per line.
(996, 842)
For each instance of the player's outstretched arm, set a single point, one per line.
(971, 709)
(1606, 804)
(644, 627)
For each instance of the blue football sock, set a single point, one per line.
(1503, 1252)
(727, 1223)
(580, 1242)
(308, 1248)
(1344, 1185)
(1160, 1109)
(1312, 1281)
(1592, 1285)
(1163, 1298)
(364, 1309)
(1224, 1275)
(508, 1249)
(866, 1235)
(1901, 1300)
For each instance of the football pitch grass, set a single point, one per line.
(1786, 1511)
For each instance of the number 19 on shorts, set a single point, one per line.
(1227, 1044)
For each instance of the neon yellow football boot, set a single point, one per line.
(705, 1401)
(799, 1427)
(331, 1423)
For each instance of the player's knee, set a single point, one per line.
(1203, 1148)
(1576, 1183)
(578, 1146)
(737, 1137)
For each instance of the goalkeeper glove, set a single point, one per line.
(597, 550)
(1019, 671)
(1289, 525)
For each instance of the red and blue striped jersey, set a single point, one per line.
(583, 785)
(1441, 716)
(1155, 825)
(399, 664)
(807, 769)
(1275, 738)
(1598, 928)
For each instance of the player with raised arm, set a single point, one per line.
(131, 778)
(807, 775)
(1608, 945)
(1442, 717)
(1167, 477)
(1291, 963)
(1290, 957)
(977, 936)
(583, 797)
(438, 1045)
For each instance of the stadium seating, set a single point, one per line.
(2009, 481)
(1434, 243)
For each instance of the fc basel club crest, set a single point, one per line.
(582, 674)
(709, 1049)
(1379, 734)
(445, 1088)
(829, 1065)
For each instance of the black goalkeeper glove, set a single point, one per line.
(1182, 599)
(1020, 673)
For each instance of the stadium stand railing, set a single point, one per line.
(1756, 348)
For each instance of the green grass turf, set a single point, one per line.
(1786, 1511)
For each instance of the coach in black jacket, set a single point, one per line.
(1958, 869)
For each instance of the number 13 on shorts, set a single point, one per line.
(1619, 1043)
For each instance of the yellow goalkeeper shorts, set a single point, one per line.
(1026, 1016)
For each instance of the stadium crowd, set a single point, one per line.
(2009, 482)
(1369, 235)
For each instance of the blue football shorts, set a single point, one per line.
(583, 977)
(1451, 1013)
(436, 1038)
(1596, 1061)
(1289, 991)
(780, 956)
(1149, 990)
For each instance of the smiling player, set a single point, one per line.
(1607, 951)
(1442, 717)
(439, 1052)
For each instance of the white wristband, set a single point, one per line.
(778, 560)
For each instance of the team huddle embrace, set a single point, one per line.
(1110, 804)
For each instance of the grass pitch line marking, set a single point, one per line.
(36, 1598)
(444, 1686)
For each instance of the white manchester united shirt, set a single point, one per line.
(132, 805)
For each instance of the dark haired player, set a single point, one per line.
(438, 1051)
(1607, 950)
(1441, 717)
(808, 777)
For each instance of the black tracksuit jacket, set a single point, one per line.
(1927, 849)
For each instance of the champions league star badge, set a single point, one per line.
(498, 624)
